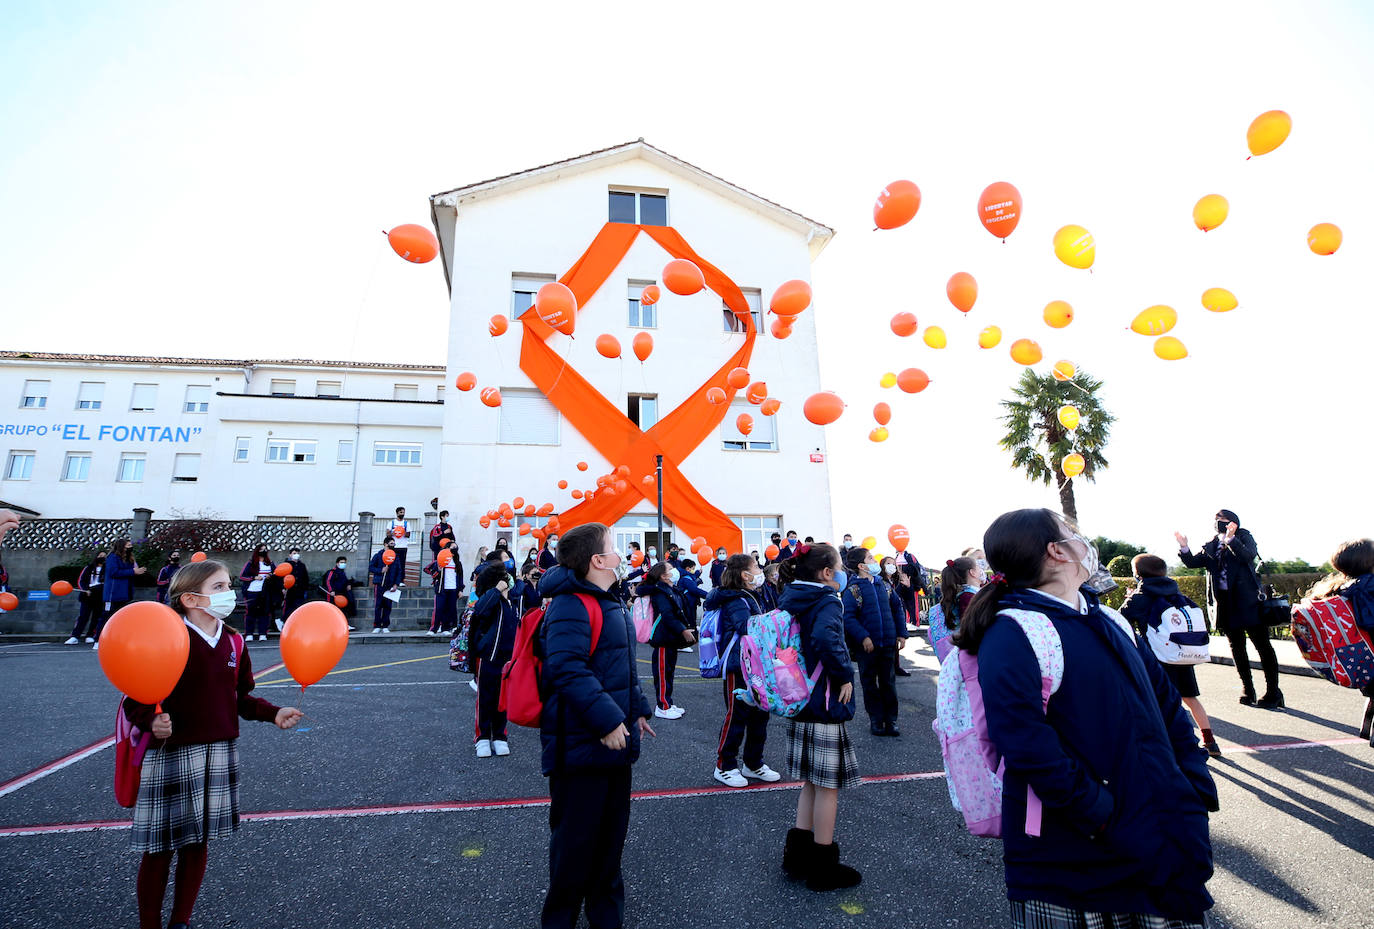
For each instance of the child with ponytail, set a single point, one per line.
(959, 581)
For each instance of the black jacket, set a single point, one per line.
(818, 612)
(736, 606)
(1237, 605)
(670, 615)
(494, 624)
(1146, 604)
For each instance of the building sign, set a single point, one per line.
(78, 432)
(817, 458)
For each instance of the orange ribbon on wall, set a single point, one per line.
(602, 423)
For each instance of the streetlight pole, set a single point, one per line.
(658, 470)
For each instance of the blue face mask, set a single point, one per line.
(842, 579)
(510, 565)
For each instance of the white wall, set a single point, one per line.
(544, 229)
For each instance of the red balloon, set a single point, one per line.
(757, 393)
(999, 209)
(904, 324)
(913, 380)
(770, 406)
(962, 291)
(491, 396)
(284, 568)
(744, 423)
(557, 306)
(313, 641)
(413, 243)
(143, 650)
(466, 381)
(498, 325)
(715, 396)
(608, 345)
(823, 408)
(896, 205)
(737, 378)
(643, 345)
(791, 298)
(683, 277)
(882, 413)
(649, 295)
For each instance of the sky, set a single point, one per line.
(212, 180)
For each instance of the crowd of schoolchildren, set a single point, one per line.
(1096, 831)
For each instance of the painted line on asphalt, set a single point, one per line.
(676, 793)
(293, 684)
(371, 667)
(57, 764)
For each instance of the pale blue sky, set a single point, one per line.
(212, 180)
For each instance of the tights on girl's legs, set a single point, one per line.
(152, 884)
(816, 811)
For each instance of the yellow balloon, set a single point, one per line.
(888, 380)
(1156, 320)
(1074, 246)
(935, 337)
(1064, 371)
(989, 337)
(878, 435)
(1068, 417)
(1169, 348)
(1219, 300)
(1324, 238)
(1210, 212)
(1026, 352)
(1058, 314)
(1073, 464)
(869, 543)
(1268, 132)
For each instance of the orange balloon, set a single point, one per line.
(683, 277)
(770, 552)
(622, 471)
(388, 555)
(1026, 352)
(284, 568)
(643, 345)
(313, 641)
(770, 406)
(288, 581)
(962, 291)
(899, 537)
(60, 588)
(498, 325)
(781, 327)
(198, 556)
(8, 601)
(903, 324)
(530, 509)
(882, 413)
(444, 558)
(557, 306)
(757, 393)
(1058, 314)
(791, 298)
(698, 542)
(577, 495)
(399, 533)
(823, 408)
(466, 381)
(650, 481)
(581, 466)
(143, 650)
(1064, 371)
(340, 601)
(913, 380)
(896, 205)
(999, 209)
(608, 345)
(744, 423)
(562, 485)
(544, 509)
(704, 555)
(737, 378)
(636, 558)
(525, 529)
(715, 396)
(504, 522)
(603, 481)
(413, 243)
(649, 295)
(517, 503)
(485, 522)
(491, 396)
(1324, 238)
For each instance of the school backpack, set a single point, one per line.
(1332, 643)
(521, 699)
(1181, 637)
(642, 613)
(458, 658)
(710, 659)
(772, 666)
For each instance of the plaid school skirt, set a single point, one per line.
(188, 795)
(1036, 914)
(822, 754)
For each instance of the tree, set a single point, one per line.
(1109, 549)
(1038, 442)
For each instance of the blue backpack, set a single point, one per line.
(772, 666)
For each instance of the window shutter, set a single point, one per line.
(527, 418)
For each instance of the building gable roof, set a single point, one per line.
(213, 362)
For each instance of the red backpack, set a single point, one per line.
(521, 699)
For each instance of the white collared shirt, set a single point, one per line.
(211, 641)
(1081, 606)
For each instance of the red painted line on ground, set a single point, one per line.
(355, 812)
(57, 764)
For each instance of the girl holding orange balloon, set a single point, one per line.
(120, 571)
(189, 787)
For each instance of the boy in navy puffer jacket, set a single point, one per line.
(876, 636)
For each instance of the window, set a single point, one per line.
(439, 393)
(523, 287)
(527, 418)
(647, 209)
(130, 468)
(35, 395)
(197, 399)
(283, 388)
(754, 297)
(291, 451)
(77, 467)
(763, 438)
(241, 448)
(757, 531)
(345, 455)
(405, 392)
(144, 399)
(643, 410)
(90, 395)
(329, 389)
(397, 453)
(20, 466)
(185, 469)
(642, 317)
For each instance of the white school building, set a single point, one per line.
(96, 436)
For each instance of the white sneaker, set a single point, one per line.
(430, 632)
(484, 749)
(281, 624)
(89, 640)
(95, 647)
(685, 648)
(72, 641)
(764, 773)
(386, 630)
(731, 778)
(501, 748)
(473, 684)
(376, 630)
(673, 712)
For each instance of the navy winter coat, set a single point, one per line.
(868, 613)
(689, 586)
(586, 695)
(1237, 605)
(736, 606)
(1360, 593)
(119, 580)
(387, 575)
(818, 612)
(1147, 603)
(670, 615)
(494, 624)
(1114, 760)
(717, 572)
(898, 608)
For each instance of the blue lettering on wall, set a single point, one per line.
(76, 432)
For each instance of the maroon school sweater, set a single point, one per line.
(214, 691)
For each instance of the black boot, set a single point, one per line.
(891, 729)
(1247, 697)
(826, 871)
(796, 854)
(1273, 700)
(1368, 719)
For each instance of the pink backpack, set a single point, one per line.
(643, 615)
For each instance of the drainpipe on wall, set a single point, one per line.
(357, 452)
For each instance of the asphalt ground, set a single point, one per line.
(376, 813)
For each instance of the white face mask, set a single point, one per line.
(222, 603)
(673, 576)
(755, 580)
(890, 570)
(652, 553)
(294, 557)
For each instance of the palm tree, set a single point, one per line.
(1038, 442)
